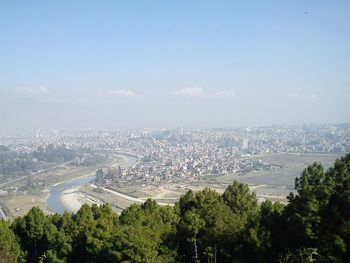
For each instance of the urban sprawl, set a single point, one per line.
(187, 155)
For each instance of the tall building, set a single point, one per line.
(245, 143)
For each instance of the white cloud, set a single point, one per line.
(190, 92)
(313, 97)
(199, 92)
(31, 90)
(303, 97)
(121, 93)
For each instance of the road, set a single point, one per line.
(14, 180)
(128, 197)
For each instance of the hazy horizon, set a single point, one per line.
(156, 64)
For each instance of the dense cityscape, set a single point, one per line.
(175, 159)
(181, 155)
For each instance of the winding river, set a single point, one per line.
(54, 202)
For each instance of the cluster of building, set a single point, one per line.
(179, 155)
(310, 138)
(187, 155)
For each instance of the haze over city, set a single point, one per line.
(168, 63)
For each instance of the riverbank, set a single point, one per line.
(73, 199)
(70, 180)
(67, 195)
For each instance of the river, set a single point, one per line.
(54, 202)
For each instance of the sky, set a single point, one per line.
(153, 64)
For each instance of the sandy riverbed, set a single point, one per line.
(73, 199)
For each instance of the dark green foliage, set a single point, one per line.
(161, 220)
(9, 247)
(270, 231)
(202, 227)
(336, 215)
(209, 228)
(93, 227)
(38, 235)
(241, 201)
(319, 215)
(133, 244)
(303, 211)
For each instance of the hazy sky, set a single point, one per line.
(173, 63)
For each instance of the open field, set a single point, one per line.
(20, 205)
(278, 183)
(292, 166)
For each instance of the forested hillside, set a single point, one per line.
(202, 227)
